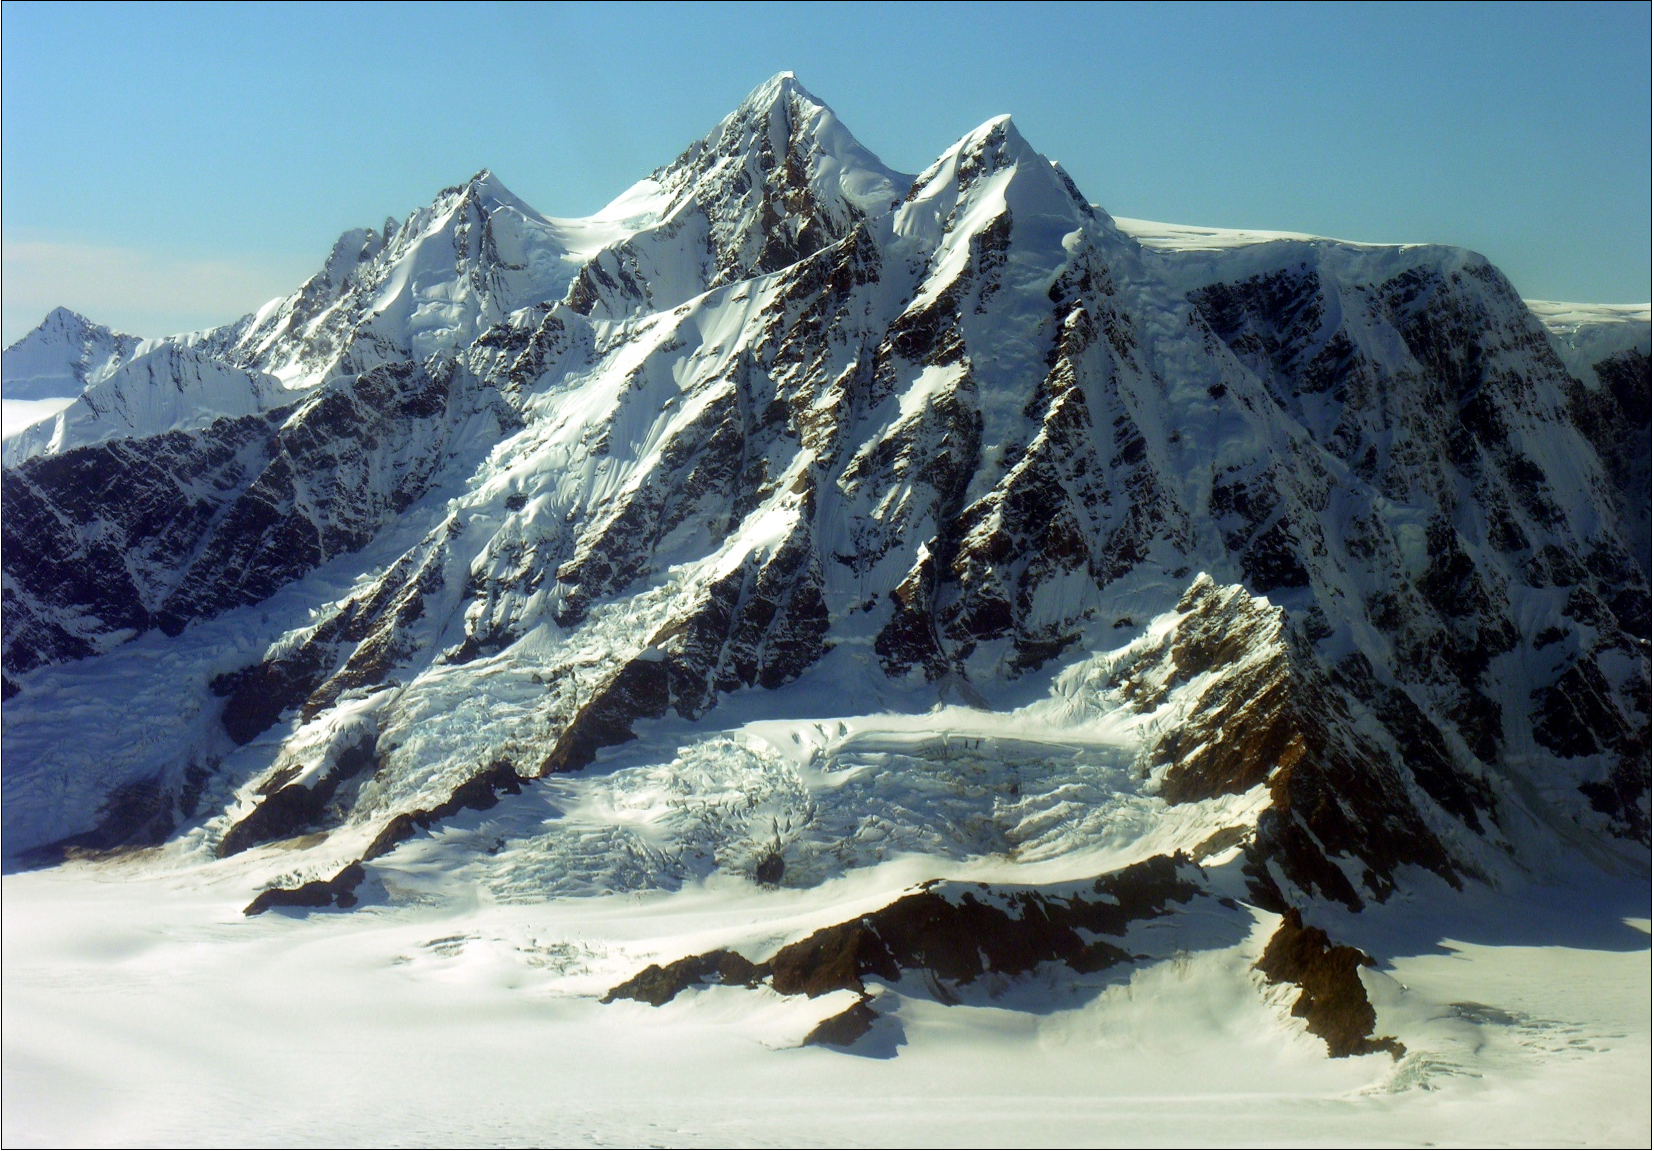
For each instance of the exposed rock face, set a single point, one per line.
(954, 934)
(656, 985)
(290, 808)
(1437, 388)
(108, 540)
(339, 891)
(498, 492)
(1344, 795)
(843, 1029)
(1614, 417)
(95, 539)
(1606, 348)
(957, 935)
(1333, 1003)
(776, 182)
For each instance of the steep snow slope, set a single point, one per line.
(161, 387)
(428, 285)
(793, 519)
(1606, 348)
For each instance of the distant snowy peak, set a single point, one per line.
(1564, 317)
(165, 387)
(419, 289)
(1193, 238)
(61, 356)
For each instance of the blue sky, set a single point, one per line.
(172, 167)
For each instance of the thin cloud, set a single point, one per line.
(137, 290)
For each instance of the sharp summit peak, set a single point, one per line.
(779, 85)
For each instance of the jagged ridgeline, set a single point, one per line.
(1347, 542)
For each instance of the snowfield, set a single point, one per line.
(141, 1009)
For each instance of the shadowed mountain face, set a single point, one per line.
(1335, 526)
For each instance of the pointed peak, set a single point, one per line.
(67, 321)
(487, 186)
(779, 87)
(990, 147)
(351, 250)
(781, 133)
(1000, 134)
(781, 107)
(58, 356)
(994, 160)
(489, 191)
(61, 317)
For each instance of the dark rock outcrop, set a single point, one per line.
(952, 933)
(340, 891)
(1333, 1003)
(287, 810)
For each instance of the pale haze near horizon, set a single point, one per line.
(167, 169)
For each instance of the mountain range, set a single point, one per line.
(793, 515)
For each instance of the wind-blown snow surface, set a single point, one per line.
(534, 586)
(140, 1009)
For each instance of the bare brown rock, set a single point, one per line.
(340, 891)
(1333, 1002)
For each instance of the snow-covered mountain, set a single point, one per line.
(791, 516)
(44, 372)
(160, 387)
(61, 357)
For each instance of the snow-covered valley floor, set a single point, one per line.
(141, 1008)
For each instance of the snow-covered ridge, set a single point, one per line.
(425, 287)
(45, 371)
(1586, 335)
(1562, 317)
(1194, 238)
(162, 387)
